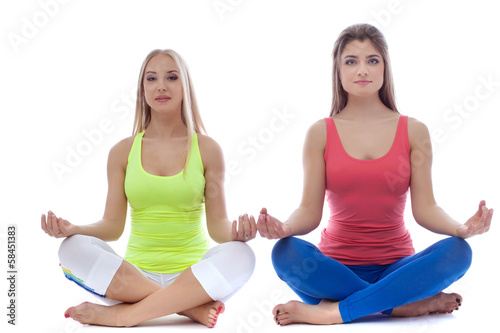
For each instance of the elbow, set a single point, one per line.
(315, 215)
(117, 231)
(309, 221)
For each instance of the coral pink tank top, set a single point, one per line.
(367, 201)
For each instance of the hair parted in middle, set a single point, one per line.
(361, 32)
(189, 107)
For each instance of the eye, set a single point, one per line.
(350, 62)
(373, 61)
(173, 78)
(150, 78)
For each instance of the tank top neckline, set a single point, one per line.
(381, 158)
(139, 138)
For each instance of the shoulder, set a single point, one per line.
(418, 133)
(207, 144)
(210, 150)
(120, 151)
(417, 128)
(316, 134)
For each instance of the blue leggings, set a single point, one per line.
(365, 290)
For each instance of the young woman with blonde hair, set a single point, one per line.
(170, 173)
(364, 158)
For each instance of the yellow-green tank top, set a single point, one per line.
(167, 234)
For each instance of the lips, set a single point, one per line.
(362, 82)
(162, 98)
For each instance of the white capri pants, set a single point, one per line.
(91, 263)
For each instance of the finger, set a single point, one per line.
(262, 226)
(272, 228)
(484, 210)
(241, 228)
(486, 221)
(482, 203)
(253, 227)
(247, 227)
(263, 210)
(233, 231)
(490, 217)
(50, 223)
(60, 227)
(44, 223)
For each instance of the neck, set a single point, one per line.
(166, 125)
(365, 106)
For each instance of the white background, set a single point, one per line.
(71, 68)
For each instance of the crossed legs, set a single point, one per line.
(334, 293)
(194, 293)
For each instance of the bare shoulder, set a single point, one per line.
(207, 144)
(118, 155)
(210, 150)
(417, 132)
(316, 134)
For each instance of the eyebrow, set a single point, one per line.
(171, 71)
(367, 57)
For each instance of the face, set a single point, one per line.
(162, 84)
(361, 68)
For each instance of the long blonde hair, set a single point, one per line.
(189, 107)
(361, 32)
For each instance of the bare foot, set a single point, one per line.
(205, 314)
(95, 314)
(440, 303)
(294, 312)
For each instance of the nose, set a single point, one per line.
(162, 86)
(362, 70)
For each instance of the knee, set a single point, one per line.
(283, 252)
(459, 252)
(71, 248)
(245, 257)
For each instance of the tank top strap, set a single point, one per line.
(402, 140)
(135, 151)
(195, 160)
(332, 138)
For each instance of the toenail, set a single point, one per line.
(66, 315)
(277, 312)
(458, 300)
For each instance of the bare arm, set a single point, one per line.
(307, 216)
(425, 209)
(220, 228)
(111, 226)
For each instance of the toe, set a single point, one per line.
(276, 309)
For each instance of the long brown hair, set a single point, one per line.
(361, 32)
(189, 108)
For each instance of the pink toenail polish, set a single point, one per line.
(220, 308)
(66, 315)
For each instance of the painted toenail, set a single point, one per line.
(66, 315)
(458, 300)
(277, 312)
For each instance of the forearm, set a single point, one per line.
(303, 221)
(220, 230)
(105, 229)
(435, 219)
